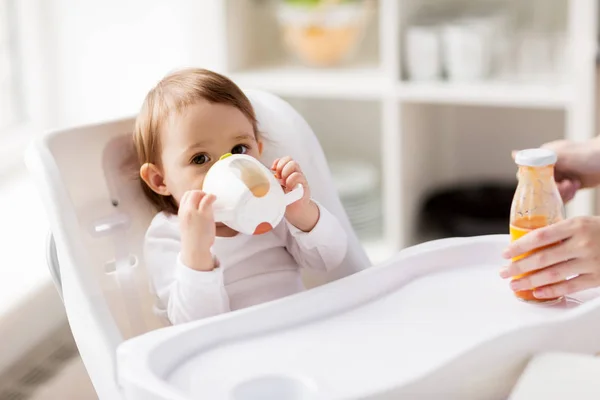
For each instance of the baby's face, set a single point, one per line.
(195, 139)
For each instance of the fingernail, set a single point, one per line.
(506, 253)
(538, 293)
(516, 285)
(504, 272)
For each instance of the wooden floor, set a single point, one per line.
(71, 382)
(52, 371)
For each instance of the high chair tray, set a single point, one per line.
(435, 320)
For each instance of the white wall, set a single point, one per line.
(109, 53)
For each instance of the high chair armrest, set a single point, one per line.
(53, 264)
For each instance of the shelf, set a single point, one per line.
(486, 94)
(424, 134)
(360, 82)
(367, 82)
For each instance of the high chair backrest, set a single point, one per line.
(98, 216)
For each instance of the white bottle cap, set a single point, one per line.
(536, 158)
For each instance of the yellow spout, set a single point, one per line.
(224, 156)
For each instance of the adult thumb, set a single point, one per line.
(568, 188)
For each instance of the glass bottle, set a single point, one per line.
(536, 203)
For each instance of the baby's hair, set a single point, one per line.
(172, 94)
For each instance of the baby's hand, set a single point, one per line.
(197, 225)
(304, 213)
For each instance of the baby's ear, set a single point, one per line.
(154, 178)
(260, 148)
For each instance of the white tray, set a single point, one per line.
(435, 320)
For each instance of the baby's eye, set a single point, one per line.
(200, 159)
(240, 149)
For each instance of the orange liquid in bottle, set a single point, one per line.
(519, 228)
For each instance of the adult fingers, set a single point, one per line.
(542, 258)
(547, 276)
(568, 188)
(574, 285)
(542, 237)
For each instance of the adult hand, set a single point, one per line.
(578, 165)
(574, 250)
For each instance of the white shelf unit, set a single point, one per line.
(429, 133)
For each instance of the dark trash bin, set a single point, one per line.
(468, 209)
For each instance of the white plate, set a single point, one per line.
(360, 211)
(354, 178)
(371, 204)
(367, 215)
(361, 199)
(374, 202)
(366, 234)
(367, 222)
(368, 229)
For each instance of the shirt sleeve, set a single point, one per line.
(183, 294)
(323, 248)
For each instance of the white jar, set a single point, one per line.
(423, 53)
(467, 51)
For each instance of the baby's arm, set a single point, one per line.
(184, 294)
(323, 248)
(315, 238)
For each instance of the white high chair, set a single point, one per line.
(98, 217)
(433, 322)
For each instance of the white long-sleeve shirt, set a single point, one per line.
(252, 269)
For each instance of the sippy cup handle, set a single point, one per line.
(294, 195)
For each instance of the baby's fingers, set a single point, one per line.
(274, 165)
(290, 168)
(195, 198)
(206, 203)
(294, 180)
(280, 165)
(185, 199)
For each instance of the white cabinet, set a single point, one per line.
(423, 133)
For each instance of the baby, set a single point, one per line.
(199, 268)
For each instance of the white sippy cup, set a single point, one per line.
(249, 199)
